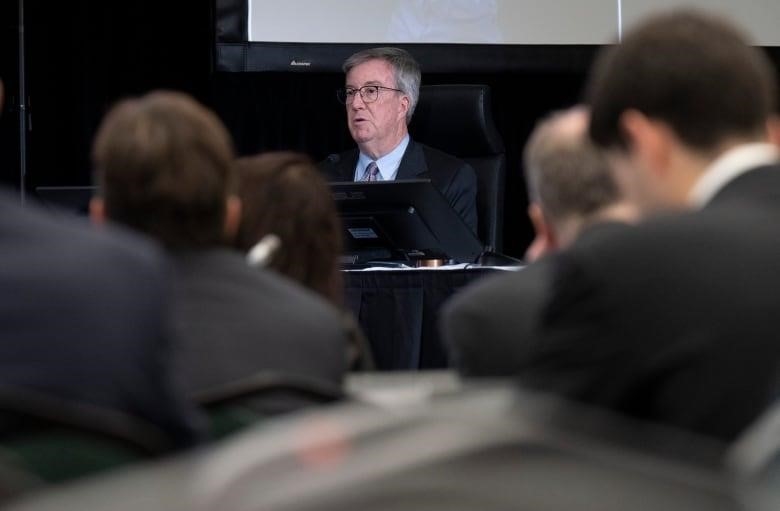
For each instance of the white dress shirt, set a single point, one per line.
(388, 164)
(730, 165)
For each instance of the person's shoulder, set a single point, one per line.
(313, 312)
(443, 159)
(504, 289)
(231, 269)
(334, 159)
(301, 298)
(677, 228)
(443, 165)
(670, 240)
(333, 165)
(69, 239)
(488, 325)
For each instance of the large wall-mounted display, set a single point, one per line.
(433, 21)
(447, 35)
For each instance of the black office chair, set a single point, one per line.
(487, 446)
(458, 120)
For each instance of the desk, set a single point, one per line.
(398, 311)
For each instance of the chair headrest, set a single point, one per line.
(456, 119)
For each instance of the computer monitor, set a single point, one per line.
(401, 221)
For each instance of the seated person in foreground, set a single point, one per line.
(83, 319)
(289, 224)
(165, 167)
(489, 325)
(675, 319)
(381, 91)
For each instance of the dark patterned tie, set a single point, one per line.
(371, 172)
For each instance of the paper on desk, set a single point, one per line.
(447, 267)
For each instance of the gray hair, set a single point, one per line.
(566, 174)
(405, 69)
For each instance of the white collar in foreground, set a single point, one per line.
(728, 167)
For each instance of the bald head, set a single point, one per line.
(567, 176)
(570, 183)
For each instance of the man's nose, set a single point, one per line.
(358, 97)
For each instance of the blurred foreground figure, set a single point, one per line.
(83, 323)
(165, 167)
(573, 194)
(289, 224)
(488, 447)
(674, 320)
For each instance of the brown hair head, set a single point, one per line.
(692, 70)
(284, 194)
(163, 165)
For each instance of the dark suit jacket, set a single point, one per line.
(236, 321)
(674, 320)
(454, 178)
(488, 326)
(83, 318)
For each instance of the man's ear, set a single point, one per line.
(546, 239)
(232, 217)
(406, 103)
(649, 140)
(773, 129)
(97, 210)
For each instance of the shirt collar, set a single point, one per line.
(388, 164)
(730, 165)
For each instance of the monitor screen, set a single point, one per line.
(401, 220)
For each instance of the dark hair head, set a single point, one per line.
(405, 69)
(284, 194)
(163, 164)
(694, 71)
(566, 174)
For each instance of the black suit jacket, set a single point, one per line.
(83, 318)
(489, 326)
(674, 320)
(235, 321)
(454, 178)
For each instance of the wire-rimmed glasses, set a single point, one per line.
(368, 93)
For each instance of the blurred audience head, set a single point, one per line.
(570, 183)
(163, 164)
(284, 195)
(680, 89)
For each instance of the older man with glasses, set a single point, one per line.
(380, 94)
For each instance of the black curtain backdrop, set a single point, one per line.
(83, 55)
(9, 120)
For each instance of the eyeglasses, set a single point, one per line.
(368, 93)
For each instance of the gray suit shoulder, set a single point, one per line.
(489, 326)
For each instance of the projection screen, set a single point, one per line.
(447, 35)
